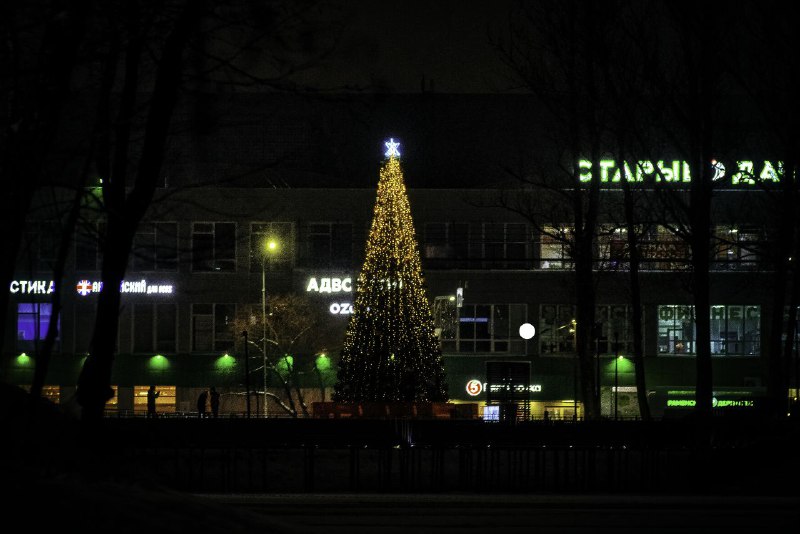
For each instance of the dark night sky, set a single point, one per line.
(395, 44)
(383, 54)
(464, 128)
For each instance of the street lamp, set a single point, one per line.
(270, 247)
(573, 330)
(322, 365)
(246, 373)
(616, 372)
(598, 395)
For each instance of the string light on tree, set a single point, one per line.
(390, 350)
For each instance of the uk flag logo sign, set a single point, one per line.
(84, 288)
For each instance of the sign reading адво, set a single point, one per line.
(676, 171)
(329, 285)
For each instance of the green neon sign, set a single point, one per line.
(715, 402)
(744, 172)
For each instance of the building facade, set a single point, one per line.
(199, 262)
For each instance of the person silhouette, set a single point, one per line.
(201, 404)
(152, 394)
(214, 398)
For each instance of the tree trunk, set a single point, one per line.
(791, 323)
(776, 375)
(585, 311)
(124, 214)
(636, 302)
(43, 361)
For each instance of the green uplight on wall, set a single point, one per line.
(285, 364)
(323, 362)
(158, 363)
(225, 363)
(24, 359)
(621, 363)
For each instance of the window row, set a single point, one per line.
(478, 328)
(735, 330)
(660, 249)
(212, 246)
(461, 328)
(144, 328)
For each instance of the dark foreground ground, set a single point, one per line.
(395, 476)
(95, 506)
(459, 513)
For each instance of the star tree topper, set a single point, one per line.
(391, 149)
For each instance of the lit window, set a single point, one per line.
(165, 402)
(554, 247)
(736, 248)
(33, 320)
(52, 393)
(735, 330)
(661, 250)
(113, 402)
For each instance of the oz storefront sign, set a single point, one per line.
(141, 287)
(341, 308)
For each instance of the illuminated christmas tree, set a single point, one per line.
(390, 350)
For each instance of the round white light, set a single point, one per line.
(527, 331)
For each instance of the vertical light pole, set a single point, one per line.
(598, 329)
(246, 373)
(616, 372)
(270, 246)
(573, 331)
